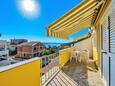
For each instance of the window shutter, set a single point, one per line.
(112, 32)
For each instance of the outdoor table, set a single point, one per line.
(76, 55)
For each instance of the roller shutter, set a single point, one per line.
(112, 32)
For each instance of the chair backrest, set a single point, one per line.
(85, 53)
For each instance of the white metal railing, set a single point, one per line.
(49, 66)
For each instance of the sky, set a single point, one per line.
(18, 20)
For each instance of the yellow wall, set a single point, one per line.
(103, 15)
(64, 56)
(25, 75)
(96, 49)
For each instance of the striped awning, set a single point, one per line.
(78, 18)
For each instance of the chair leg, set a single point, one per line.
(76, 59)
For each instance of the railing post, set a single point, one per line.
(52, 64)
(49, 66)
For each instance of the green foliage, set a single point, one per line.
(47, 52)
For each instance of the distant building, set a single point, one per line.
(17, 41)
(30, 49)
(12, 49)
(13, 45)
(4, 52)
(3, 44)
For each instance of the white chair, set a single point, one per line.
(76, 55)
(73, 55)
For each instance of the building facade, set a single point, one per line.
(17, 41)
(4, 52)
(30, 49)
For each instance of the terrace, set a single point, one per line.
(50, 70)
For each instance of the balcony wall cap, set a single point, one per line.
(11, 66)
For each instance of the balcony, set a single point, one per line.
(57, 69)
(50, 70)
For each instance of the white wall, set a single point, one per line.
(86, 44)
